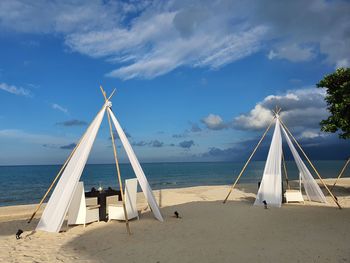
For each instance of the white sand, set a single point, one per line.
(208, 231)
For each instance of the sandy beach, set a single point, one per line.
(209, 231)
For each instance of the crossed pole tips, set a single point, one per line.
(116, 159)
(276, 112)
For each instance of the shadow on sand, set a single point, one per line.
(213, 231)
(9, 228)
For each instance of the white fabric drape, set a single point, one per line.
(57, 207)
(137, 169)
(312, 189)
(270, 189)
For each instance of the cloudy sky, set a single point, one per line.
(195, 80)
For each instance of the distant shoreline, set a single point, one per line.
(168, 162)
(247, 187)
(20, 185)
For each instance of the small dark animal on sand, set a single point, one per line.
(177, 214)
(265, 204)
(18, 234)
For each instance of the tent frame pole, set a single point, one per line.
(52, 184)
(117, 166)
(341, 173)
(58, 175)
(313, 167)
(250, 157)
(285, 170)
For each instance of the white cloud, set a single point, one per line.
(342, 63)
(146, 39)
(202, 50)
(272, 54)
(55, 106)
(258, 118)
(15, 90)
(292, 53)
(311, 134)
(298, 98)
(232, 48)
(214, 122)
(301, 108)
(64, 17)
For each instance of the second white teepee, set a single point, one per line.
(270, 189)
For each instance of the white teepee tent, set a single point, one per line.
(270, 190)
(58, 204)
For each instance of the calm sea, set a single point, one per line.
(27, 184)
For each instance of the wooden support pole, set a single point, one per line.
(341, 173)
(285, 170)
(57, 176)
(52, 184)
(313, 167)
(117, 165)
(250, 157)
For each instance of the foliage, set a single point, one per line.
(337, 87)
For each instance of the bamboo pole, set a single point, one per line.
(250, 157)
(313, 167)
(57, 176)
(285, 170)
(110, 96)
(50, 187)
(341, 173)
(117, 165)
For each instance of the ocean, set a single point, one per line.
(27, 184)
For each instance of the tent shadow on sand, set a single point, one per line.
(247, 199)
(339, 190)
(9, 228)
(210, 231)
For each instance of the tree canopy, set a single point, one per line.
(337, 87)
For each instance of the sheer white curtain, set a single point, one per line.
(270, 189)
(57, 207)
(137, 169)
(312, 189)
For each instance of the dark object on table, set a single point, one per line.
(265, 204)
(177, 214)
(19, 233)
(93, 189)
(102, 200)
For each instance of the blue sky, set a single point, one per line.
(195, 80)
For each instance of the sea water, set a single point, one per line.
(27, 184)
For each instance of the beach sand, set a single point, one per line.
(209, 231)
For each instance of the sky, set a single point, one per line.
(194, 80)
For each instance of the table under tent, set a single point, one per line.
(270, 189)
(68, 192)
